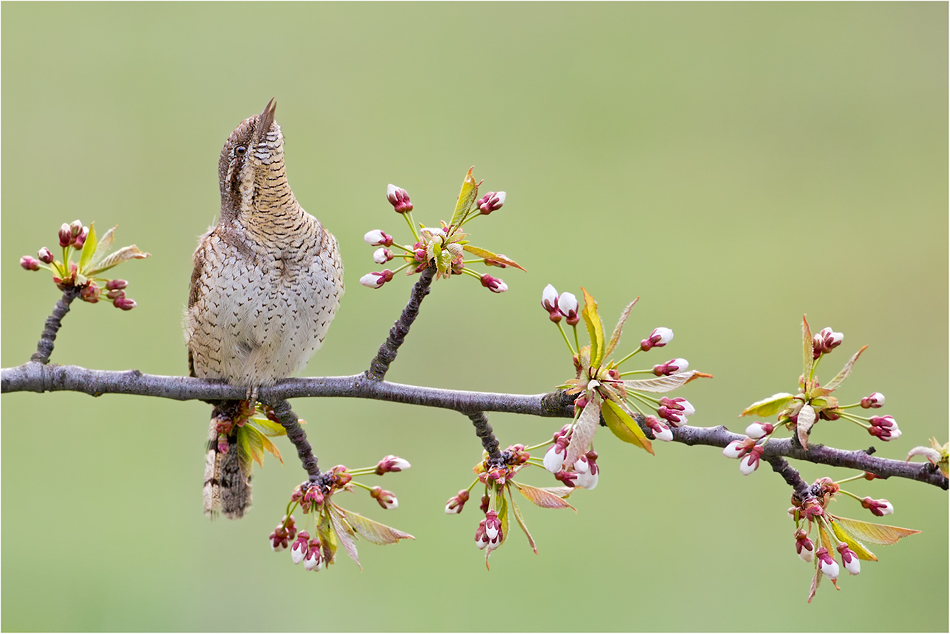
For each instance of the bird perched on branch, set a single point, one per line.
(266, 284)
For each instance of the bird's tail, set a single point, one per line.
(227, 489)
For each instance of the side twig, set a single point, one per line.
(296, 435)
(484, 431)
(53, 323)
(397, 334)
(790, 474)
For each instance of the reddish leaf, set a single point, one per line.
(584, 430)
(344, 532)
(663, 384)
(545, 498)
(845, 371)
(808, 351)
(806, 418)
(373, 531)
(618, 329)
(488, 255)
(520, 520)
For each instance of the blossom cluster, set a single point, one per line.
(86, 273)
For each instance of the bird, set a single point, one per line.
(266, 284)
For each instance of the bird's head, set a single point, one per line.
(254, 149)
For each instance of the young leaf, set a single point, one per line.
(806, 418)
(845, 371)
(663, 384)
(769, 406)
(808, 351)
(245, 451)
(103, 247)
(584, 429)
(374, 531)
(544, 498)
(880, 534)
(269, 447)
(268, 427)
(620, 421)
(484, 253)
(343, 531)
(595, 328)
(88, 247)
(328, 540)
(120, 256)
(503, 515)
(859, 549)
(814, 582)
(520, 520)
(466, 197)
(615, 337)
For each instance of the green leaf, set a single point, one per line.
(117, 258)
(615, 337)
(806, 418)
(584, 429)
(808, 351)
(328, 540)
(595, 328)
(373, 531)
(662, 384)
(769, 406)
(880, 534)
(245, 452)
(620, 421)
(503, 515)
(845, 371)
(544, 498)
(859, 549)
(520, 520)
(268, 427)
(466, 197)
(88, 248)
(343, 531)
(488, 255)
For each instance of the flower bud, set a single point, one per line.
(484, 502)
(392, 464)
(751, 461)
(45, 255)
(549, 299)
(300, 548)
(880, 508)
(660, 431)
(830, 339)
(587, 480)
(115, 285)
(75, 228)
(874, 399)
(398, 198)
(738, 448)
(759, 430)
(581, 465)
(377, 238)
(65, 235)
(884, 427)
(80, 239)
(680, 404)
(490, 202)
(657, 339)
(827, 564)
(89, 293)
(386, 499)
(804, 546)
(850, 560)
(670, 367)
(567, 306)
(377, 278)
(566, 477)
(481, 536)
(314, 558)
(554, 458)
(456, 503)
(30, 263)
(382, 255)
(494, 284)
(124, 303)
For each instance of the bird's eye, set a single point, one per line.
(240, 150)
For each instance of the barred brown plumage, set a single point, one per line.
(267, 282)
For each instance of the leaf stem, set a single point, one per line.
(629, 356)
(564, 334)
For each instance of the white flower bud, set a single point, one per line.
(554, 457)
(549, 298)
(665, 334)
(567, 304)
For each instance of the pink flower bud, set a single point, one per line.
(566, 477)
(382, 255)
(759, 430)
(494, 284)
(490, 202)
(89, 293)
(492, 525)
(386, 499)
(849, 559)
(884, 427)
(874, 399)
(314, 558)
(300, 548)
(554, 458)
(660, 431)
(751, 461)
(456, 503)
(75, 228)
(30, 263)
(46, 257)
(670, 367)
(377, 238)
(398, 198)
(65, 235)
(481, 536)
(376, 279)
(498, 263)
(80, 239)
(830, 339)
(483, 503)
(581, 465)
(880, 508)
(392, 464)
(827, 564)
(804, 546)
(124, 303)
(114, 285)
(657, 339)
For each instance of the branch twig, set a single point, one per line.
(379, 366)
(53, 323)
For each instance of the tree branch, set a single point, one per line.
(53, 323)
(295, 434)
(379, 366)
(35, 377)
(484, 431)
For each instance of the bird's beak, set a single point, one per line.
(267, 117)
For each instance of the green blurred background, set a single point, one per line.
(734, 165)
